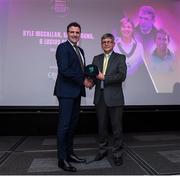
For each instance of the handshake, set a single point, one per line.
(90, 72)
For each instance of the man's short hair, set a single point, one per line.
(107, 35)
(162, 31)
(148, 10)
(74, 24)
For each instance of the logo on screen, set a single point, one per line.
(60, 7)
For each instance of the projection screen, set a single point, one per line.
(32, 29)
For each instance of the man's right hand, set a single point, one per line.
(100, 76)
(88, 83)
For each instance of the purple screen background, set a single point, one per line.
(30, 31)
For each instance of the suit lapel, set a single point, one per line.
(71, 48)
(101, 59)
(75, 54)
(110, 61)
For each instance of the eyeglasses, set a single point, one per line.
(107, 42)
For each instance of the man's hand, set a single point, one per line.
(88, 83)
(100, 76)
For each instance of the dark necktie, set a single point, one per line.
(79, 56)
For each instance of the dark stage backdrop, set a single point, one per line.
(30, 31)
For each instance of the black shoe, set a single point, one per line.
(100, 156)
(118, 161)
(66, 166)
(76, 159)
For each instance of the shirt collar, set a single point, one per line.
(109, 54)
(121, 42)
(71, 43)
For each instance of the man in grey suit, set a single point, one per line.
(109, 99)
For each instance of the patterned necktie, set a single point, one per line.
(105, 63)
(79, 56)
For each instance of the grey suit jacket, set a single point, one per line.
(115, 75)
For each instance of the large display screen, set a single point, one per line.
(146, 31)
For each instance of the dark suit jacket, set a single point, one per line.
(115, 75)
(69, 82)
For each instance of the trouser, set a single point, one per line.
(115, 114)
(68, 116)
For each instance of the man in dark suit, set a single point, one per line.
(70, 86)
(108, 98)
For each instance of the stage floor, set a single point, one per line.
(144, 154)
